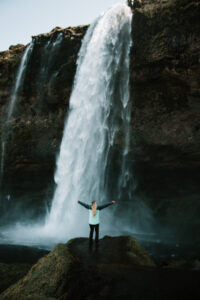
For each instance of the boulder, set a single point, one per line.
(76, 271)
(118, 268)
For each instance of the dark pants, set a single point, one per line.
(92, 227)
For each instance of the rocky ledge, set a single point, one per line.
(119, 268)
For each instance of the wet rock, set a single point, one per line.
(11, 273)
(183, 264)
(118, 268)
(75, 271)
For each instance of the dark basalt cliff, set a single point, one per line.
(165, 129)
(165, 94)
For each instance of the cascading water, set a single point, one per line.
(18, 84)
(48, 52)
(47, 60)
(20, 78)
(99, 112)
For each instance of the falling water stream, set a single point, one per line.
(45, 75)
(49, 50)
(18, 84)
(99, 111)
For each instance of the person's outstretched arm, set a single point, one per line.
(105, 205)
(84, 204)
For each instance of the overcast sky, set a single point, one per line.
(20, 19)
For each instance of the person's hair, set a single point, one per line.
(93, 208)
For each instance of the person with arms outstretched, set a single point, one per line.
(94, 218)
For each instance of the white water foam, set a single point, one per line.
(98, 111)
(18, 84)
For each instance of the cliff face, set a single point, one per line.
(165, 82)
(165, 129)
(165, 94)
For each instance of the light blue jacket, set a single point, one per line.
(94, 220)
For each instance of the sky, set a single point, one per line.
(21, 19)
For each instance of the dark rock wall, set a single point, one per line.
(165, 90)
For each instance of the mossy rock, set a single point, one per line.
(70, 268)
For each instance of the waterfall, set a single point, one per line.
(43, 78)
(99, 114)
(19, 79)
(46, 75)
(17, 86)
